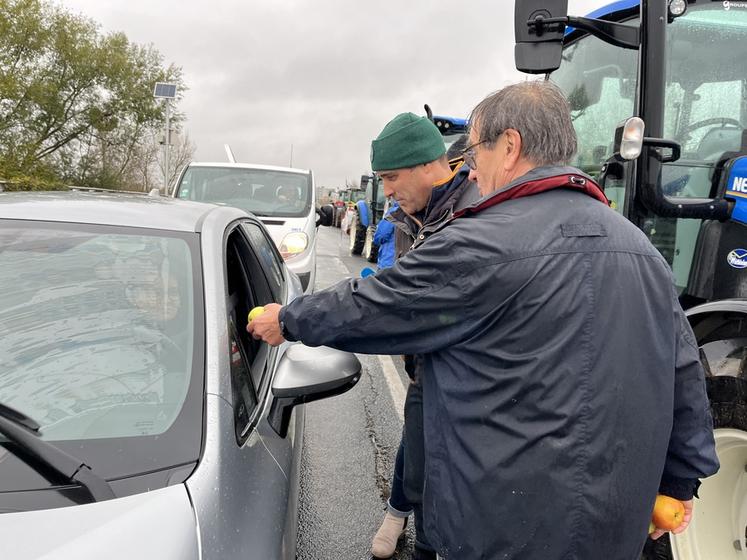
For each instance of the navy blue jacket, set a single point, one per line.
(562, 384)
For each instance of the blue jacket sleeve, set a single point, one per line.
(691, 454)
(384, 232)
(416, 306)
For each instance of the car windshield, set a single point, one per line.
(262, 192)
(96, 329)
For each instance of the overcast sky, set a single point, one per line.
(324, 76)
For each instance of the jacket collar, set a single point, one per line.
(444, 196)
(537, 180)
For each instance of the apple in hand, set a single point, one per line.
(255, 312)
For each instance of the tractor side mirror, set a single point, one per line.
(539, 34)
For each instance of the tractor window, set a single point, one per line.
(599, 81)
(705, 95)
(705, 111)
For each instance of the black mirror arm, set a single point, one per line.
(661, 204)
(664, 143)
(280, 414)
(618, 34)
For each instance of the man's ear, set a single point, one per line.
(513, 147)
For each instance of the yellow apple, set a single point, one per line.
(256, 312)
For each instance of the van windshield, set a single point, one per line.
(262, 192)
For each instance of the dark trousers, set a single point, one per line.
(413, 463)
(397, 498)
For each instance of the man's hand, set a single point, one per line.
(267, 325)
(685, 521)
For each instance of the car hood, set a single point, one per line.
(159, 524)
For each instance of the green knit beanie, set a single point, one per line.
(406, 141)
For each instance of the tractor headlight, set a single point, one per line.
(677, 8)
(293, 244)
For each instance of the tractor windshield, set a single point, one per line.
(705, 111)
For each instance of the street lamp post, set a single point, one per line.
(167, 92)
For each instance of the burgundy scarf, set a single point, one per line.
(565, 181)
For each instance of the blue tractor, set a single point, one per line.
(368, 213)
(658, 93)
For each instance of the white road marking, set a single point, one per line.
(395, 385)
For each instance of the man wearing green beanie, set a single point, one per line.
(410, 156)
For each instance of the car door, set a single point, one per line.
(255, 276)
(240, 491)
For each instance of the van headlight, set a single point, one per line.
(293, 244)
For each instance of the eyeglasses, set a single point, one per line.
(469, 154)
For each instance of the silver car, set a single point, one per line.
(137, 417)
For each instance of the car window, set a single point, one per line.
(242, 387)
(269, 257)
(247, 287)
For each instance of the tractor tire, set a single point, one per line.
(357, 236)
(719, 525)
(370, 251)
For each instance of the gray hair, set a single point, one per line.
(539, 111)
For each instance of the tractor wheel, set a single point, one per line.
(719, 525)
(370, 251)
(357, 236)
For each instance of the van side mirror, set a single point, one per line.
(309, 374)
(539, 45)
(326, 215)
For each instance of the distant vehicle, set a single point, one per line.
(450, 127)
(344, 197)
(369, 211)
(282, 197)
(138, 417)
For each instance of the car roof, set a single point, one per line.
(109, 208)
(248, 166)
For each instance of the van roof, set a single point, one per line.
(248, 166)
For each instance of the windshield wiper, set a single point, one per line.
(24, 432)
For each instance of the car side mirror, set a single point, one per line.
(309, 374)
(326, 215)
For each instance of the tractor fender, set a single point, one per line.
(363, 213)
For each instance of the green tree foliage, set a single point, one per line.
(76, 105)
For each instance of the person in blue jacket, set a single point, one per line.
(384, 240)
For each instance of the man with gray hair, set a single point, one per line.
(562, 387)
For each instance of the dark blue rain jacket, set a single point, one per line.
(562, 383)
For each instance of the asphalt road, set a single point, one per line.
(350, 442)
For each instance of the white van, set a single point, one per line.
(283, 198)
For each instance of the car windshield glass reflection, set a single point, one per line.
(261, 192)
(96, 333)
